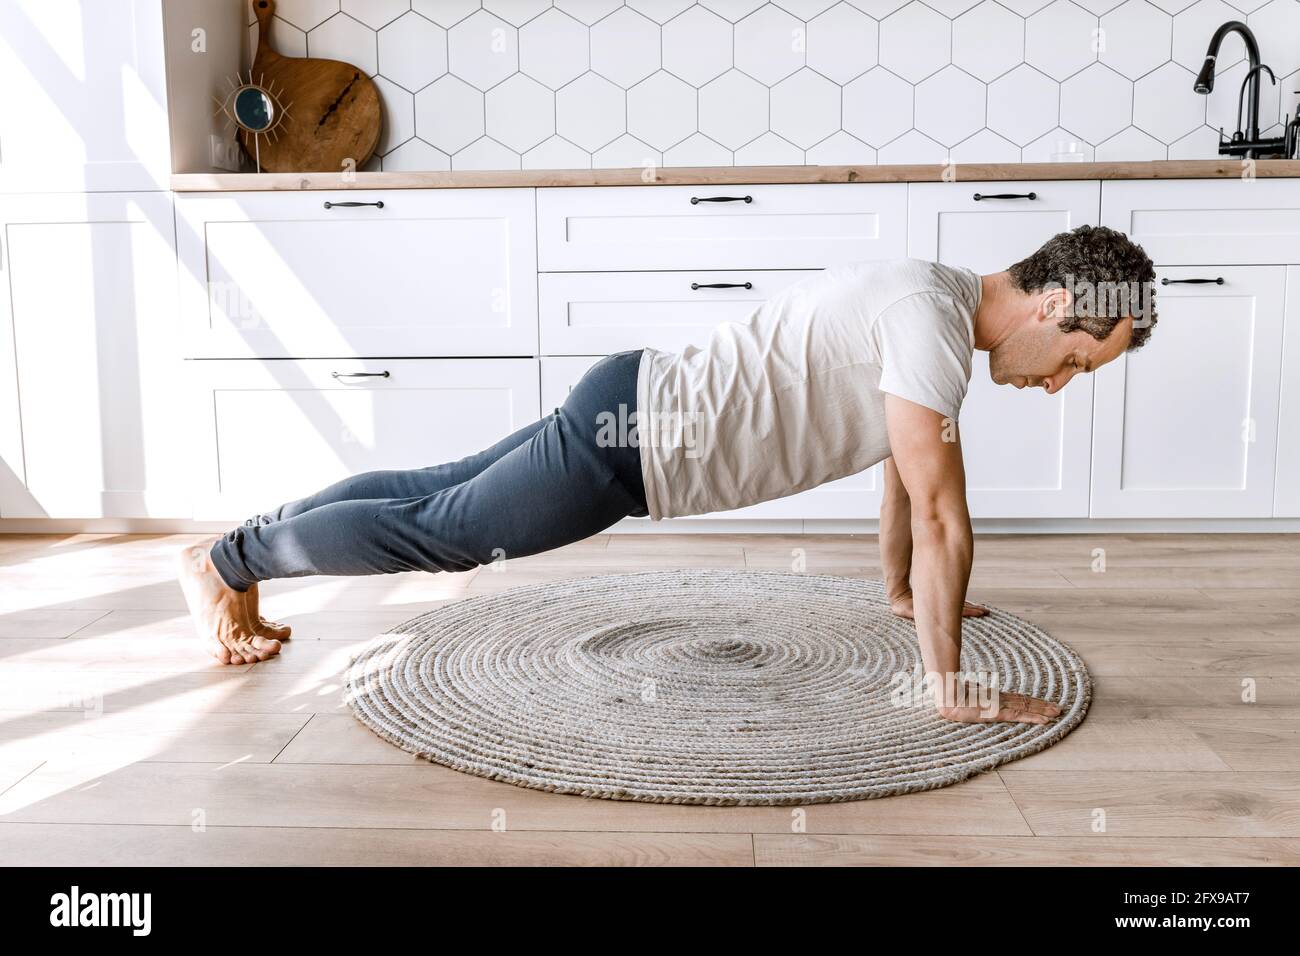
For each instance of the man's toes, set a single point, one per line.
(273, 629)
(264, 647)
(219, 651)
(243, 653)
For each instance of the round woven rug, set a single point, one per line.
(709, 687)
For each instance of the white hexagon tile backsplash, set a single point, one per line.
(535, 84)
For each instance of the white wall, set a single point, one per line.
(196, 76)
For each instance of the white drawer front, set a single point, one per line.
(587, 313)
(946, 223)
(434, 272)
(277, 431)
(1196, 221)
(855, 497)
(659, 227)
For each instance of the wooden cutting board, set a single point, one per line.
(331, 109)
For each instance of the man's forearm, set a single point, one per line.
(895, 536)
(941, 562)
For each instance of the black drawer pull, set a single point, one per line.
(722, 285)
(1218, 281)
(360, 374)
(695, 200)
(980, 196)
(350, 205)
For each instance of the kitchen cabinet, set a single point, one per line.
(621, 228)
(84, 96)
(91, 381)
(1286, 499)
(1187, 426)
(596, 313)
(1194, 221)
(1026, 452)
(273, 431)
(410, 273)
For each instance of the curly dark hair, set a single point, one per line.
(1107, 274)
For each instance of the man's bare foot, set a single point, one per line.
(261, 625)
(902, 607)
(220, 613)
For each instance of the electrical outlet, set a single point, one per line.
(225, 154)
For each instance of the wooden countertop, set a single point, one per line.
(733, 175)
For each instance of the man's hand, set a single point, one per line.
(1005, 708)
(902, 607)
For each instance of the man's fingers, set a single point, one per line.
(1015, 707)
(1037, 706)
(1032, 705)
(1007, 708)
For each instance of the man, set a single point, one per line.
(859, 364)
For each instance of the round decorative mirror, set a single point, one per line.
(253, 109)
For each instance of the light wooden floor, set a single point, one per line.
(121, 744)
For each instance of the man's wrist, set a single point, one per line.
(960, 689)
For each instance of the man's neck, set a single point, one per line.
(996, 315)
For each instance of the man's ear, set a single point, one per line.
(1054, 304)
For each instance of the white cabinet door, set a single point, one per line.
(89, 322)
(621, 228)
(590, 313)
(411, 273)
(1026, 452)
(1187, 425)
(855, 497)
(1189, 221)
(1286, 502)
(277, 431)
(85, 101)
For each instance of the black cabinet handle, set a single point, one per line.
(360, 374)
(722, 285)
(1218, 281)
(980, 196)
(695, 200)
(377, 205)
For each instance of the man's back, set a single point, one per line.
(793, 396)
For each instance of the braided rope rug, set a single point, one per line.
(708, 687)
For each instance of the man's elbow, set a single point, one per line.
(939, 517)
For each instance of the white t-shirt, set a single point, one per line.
(794, 396)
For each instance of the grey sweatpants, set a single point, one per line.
(549, 484)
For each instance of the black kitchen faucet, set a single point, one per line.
(1246, 141)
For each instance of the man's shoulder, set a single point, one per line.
(917, 275)
(887, 282)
